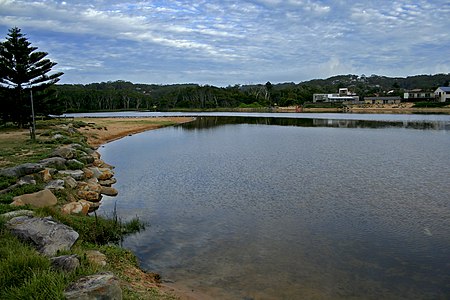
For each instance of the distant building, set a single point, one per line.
(382, 100)
(343, 95)
(442, 94)
(417, 95)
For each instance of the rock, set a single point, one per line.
(101, 164)
(42, 198)
(87, 159)
(102, 173)
(67, 263)
(64, 152)
(55, 185)
(96, 155)
(70, 182)
(107, 182)
(109, 191)
(75, 174)
(96, 257)
(27, 180)
(47, 174)
(16, 213)
(75, 208)
(76, 146)
(74, 164)
(89, 196)
(57, 136)
(22, 170)
(90, 185)
(54, 162)
(88, 173)
(99, 286)
(93, 206)
(47, 235)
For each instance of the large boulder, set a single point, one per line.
(22, 170)
(99, 286)
(47, 235)
(42, 198)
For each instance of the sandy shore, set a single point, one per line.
(104, 130)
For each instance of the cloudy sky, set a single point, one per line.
(227, 42)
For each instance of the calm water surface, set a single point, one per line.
(264, 208)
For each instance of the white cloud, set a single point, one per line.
(237, 39)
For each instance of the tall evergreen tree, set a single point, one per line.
(23, 68)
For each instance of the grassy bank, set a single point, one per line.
(25, 274)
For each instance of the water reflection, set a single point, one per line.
(242, 209)
(211, 122)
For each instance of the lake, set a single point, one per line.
(291, 207)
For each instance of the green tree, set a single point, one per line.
(23, 71)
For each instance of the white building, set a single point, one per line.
(442, 94)
(343, 95)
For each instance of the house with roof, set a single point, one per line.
(442, 94)
(418, 95)
(382, 100)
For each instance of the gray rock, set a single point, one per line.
(42, 198)
(99, 286)
(75, 174)
(57, 136)
(67, 263)
(22, 170)
(27, 180)
(47, 235)
(57, 184)
(54, 162)
(16, 213)
(64, 152)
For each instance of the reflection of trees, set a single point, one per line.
(210, 122)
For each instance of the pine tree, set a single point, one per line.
(22, 69)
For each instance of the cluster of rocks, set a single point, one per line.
(87, 177)
(49, 237)
(70, 166)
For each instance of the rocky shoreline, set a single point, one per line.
(80, 170)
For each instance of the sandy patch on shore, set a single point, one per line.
(103, 130)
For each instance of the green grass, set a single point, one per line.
(96, 229)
